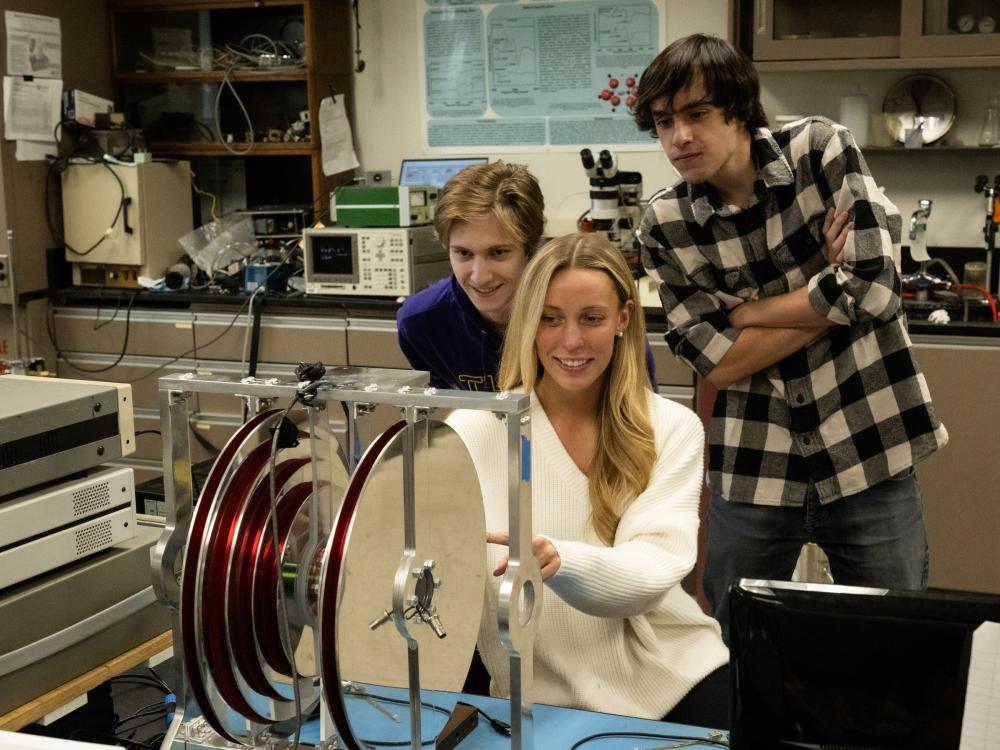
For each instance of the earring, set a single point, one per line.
(619, 334)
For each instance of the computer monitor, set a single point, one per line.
(820, 666)
(434, 171)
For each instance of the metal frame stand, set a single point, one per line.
(360, 390)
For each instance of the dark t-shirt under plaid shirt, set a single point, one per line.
(850, 409)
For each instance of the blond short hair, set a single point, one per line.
(507, 192)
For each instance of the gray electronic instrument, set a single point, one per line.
(53, 427)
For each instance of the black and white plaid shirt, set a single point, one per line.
(850, 409)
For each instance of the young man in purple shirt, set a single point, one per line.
(490, 217)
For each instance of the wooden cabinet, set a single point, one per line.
(198, 76)
(790, 35)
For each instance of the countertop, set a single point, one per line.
(386, 307)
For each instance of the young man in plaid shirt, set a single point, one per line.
(776, 254)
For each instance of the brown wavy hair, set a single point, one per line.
(728, 75)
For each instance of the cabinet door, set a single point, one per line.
(796, 30)
(959, 483)
(950, 28)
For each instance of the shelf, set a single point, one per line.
(183, 149)
(170, 6)
(876, 63)
(930, 149)
(212, 76)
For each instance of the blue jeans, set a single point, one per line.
(874, 538)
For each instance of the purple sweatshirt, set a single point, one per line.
(442, 332)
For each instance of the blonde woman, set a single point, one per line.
(616, 480)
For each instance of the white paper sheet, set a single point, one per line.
(981, 720)
(31, 109)
(335, 137)
(34, 150)
(34, 45)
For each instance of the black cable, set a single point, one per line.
(153, 709)
(148, 432)
(139, 679)
(105, 738)
(359, 66)
(122, 202)
(399, 702)
(499, 726)
(159, 679)
(204, 442)
(284, 635)
(99, 324)
(647, 736)
(50, 329)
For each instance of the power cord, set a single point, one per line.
(218, 123)
(501, 727)
(714, 738)
(50, 327)
(87, 150)
(60, 355)
(359, 66)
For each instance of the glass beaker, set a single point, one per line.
(990, 135)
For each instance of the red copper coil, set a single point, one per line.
(330, 586)
(189, 573)
(238, 594)
(218, 547)
(263, 582)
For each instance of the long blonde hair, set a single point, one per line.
(626, 451)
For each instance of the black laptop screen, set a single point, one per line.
(831, 666)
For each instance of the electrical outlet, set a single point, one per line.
(4, 271)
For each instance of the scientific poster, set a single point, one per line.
(529, 75)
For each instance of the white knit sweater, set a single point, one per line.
(619, 634)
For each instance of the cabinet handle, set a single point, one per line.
(125, 225)
(760, 6)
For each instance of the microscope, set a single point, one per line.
(614, 203)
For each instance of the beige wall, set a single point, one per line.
(389, 122)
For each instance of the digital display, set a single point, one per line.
(333, 255)
(434, 171)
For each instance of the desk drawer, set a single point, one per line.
(150, 332)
